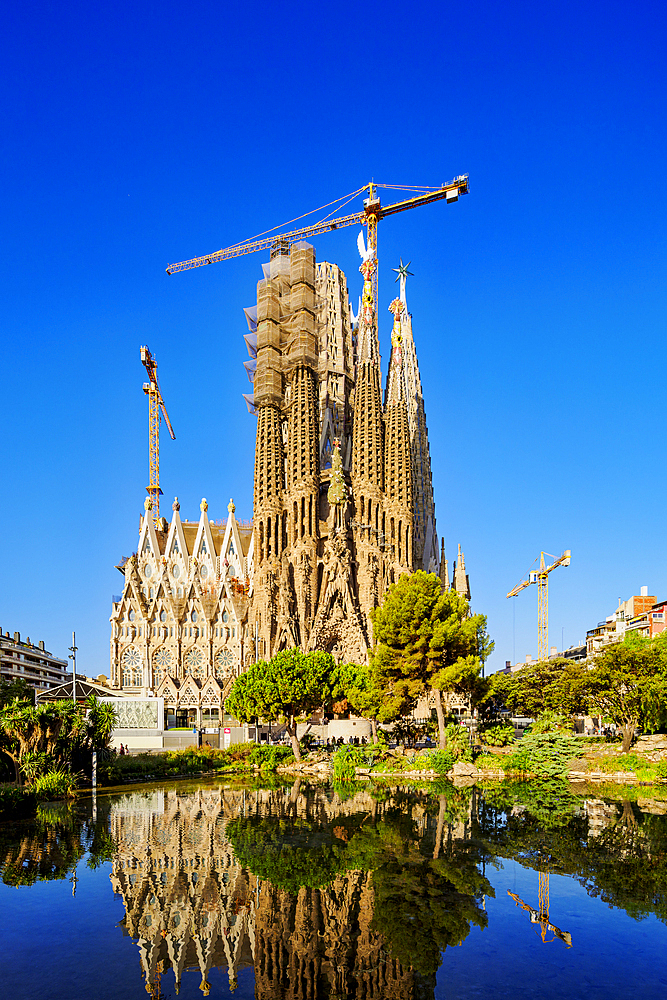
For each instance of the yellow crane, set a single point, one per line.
(369, 216)
(156, 409)
(541, 578)
(541, 915)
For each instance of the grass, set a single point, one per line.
(490, 762)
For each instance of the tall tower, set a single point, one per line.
(426, 539)
(368, 455)
(399, 515)
(340, 495)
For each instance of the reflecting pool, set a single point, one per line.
(296, 891)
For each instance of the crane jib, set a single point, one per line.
(373, 209)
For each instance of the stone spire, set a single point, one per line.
(444, 571)
(426, 540)
(461, 582)
(397, 458)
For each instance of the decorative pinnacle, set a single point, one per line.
(148, 504)
(402, 274)
(231, 506)
(176, 505)
(203, 506)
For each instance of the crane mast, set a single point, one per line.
(541, 578)
(156, 409)
(372, 212)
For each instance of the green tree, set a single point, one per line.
(287, 688)
(557, 685)
(16, 690)
(629, 685)
(54, 734)
(427, 640)
(360, 685)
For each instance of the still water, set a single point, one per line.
(292, 891)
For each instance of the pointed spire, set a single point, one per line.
(368, 347)
(395, 391)
(461, 583)
(444, 570)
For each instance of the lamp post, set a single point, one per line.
(72, 656)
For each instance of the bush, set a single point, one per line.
(268, 758)
(458, 741)
(500, 735)
(55, 784)
(346, 759)
(15, 800)
(441, 761)
(546, 755)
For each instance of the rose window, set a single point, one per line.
(223, 663)
(163, 658)
(131, 657)
(194, 659)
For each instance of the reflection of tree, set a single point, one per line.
(50, 845)
(548, 827)
(432, 889)
(290, 854)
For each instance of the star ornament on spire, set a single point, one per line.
(402, 274)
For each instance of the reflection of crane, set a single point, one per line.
(541, 578)
(541, 916)
(154, 989)
(156, 409)
(372, 212)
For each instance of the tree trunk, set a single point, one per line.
(374, 730)
(441, 719)
(628, 733)
(442, 806)
(296, 749)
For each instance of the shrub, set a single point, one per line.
(500, 735)
(346, 759)
(490, 762)
(55, 784)
(661, 769)
(441, 761)
(15, 800)
(458, 741)
(546, 755)
(268, 758)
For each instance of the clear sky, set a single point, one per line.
(134, 135)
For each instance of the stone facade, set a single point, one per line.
(343, 501)
(179, 628)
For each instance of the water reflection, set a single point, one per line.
(350, 893)
(322, 895)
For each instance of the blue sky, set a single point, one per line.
(138, 135)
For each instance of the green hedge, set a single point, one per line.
(239, 757)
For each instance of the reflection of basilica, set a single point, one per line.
(190, 905)
(187, 901)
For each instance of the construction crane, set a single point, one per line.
(541, 578)
(541, 915)
(370, 215)
(156, 409)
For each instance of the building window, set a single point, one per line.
(193, 616)
(131, 615)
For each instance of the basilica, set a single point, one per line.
(343, 502)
